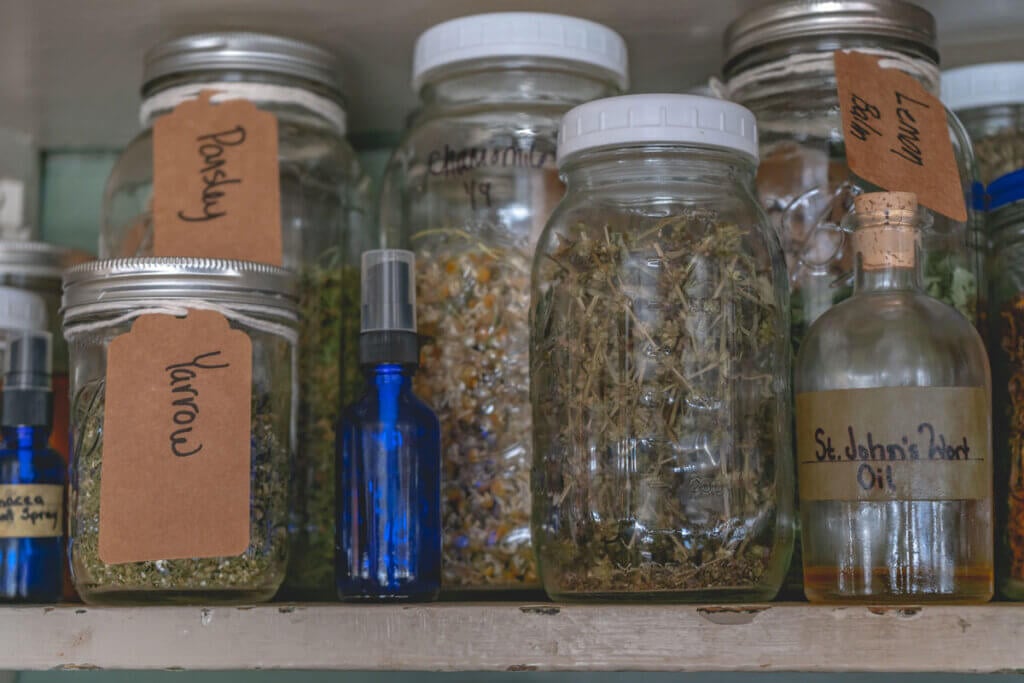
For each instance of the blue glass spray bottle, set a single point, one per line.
(389, 452)
(32, 477)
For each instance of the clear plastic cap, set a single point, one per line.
(389, 291)
(29, 361)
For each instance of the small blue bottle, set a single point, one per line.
(389, 452)
(32, 477)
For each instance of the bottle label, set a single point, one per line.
(177, 425)
(896, 133)
(896, 443)
(31, 510)
(216, 184)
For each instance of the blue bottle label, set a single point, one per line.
(31, 510)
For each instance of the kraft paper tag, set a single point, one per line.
(896, 133)
(216, 182)
(31, 511)
(176, 462)
(900, 443)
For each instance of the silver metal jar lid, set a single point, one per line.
(131, 280)
(796, 19)
(33, 259)
(241, 52)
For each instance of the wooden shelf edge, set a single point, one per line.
(514, 637)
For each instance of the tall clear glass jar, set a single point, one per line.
(989, 100)
(1006, 349)
(778, 63)
(660, 362)
(468, 190)
(324, 224)
(102, 300)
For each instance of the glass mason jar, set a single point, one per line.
(894, 430)
(1006, 348)
(468, 190)
(325, 228)
(101, 301)
(989, 100)
(778, 63)
(660, 361)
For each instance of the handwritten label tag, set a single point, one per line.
(899, 443)
(31, 511)
(896, 133)
(176, 459)
(216, 182)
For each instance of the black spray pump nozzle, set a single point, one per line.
(388, 312)
(28, 365)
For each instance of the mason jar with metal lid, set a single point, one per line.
(324, 222)
(104, 301)
(779, 63)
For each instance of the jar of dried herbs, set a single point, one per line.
(324, 228)
(779, 62)
(660, 363)
(468, 190)
(989, 100)
(183, 411)
(1006, 351)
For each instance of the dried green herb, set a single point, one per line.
(329, 379)
(658, 402)
(255, 575)
(473, 305)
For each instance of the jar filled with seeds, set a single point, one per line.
(660, 364)
(183, 410)
(323, 227)
(468, 190)
(1006, 350)
(989, 100)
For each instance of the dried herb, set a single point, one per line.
(255, 575)
(657, 403)
(1010, 439)
(998, 154)
(472, 308)
(329, 378)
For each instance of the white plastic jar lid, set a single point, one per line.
(520, 34)
(983, 85)
(654, 119)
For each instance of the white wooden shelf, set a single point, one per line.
(513, 637)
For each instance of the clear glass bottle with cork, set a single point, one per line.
(893, 416)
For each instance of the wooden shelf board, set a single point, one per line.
(514, 637)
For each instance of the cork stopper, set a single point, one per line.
(878, 202)
(887, 234)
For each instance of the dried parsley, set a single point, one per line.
(473, 304)
(660, 410)
(253, 576)
(329, 378)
